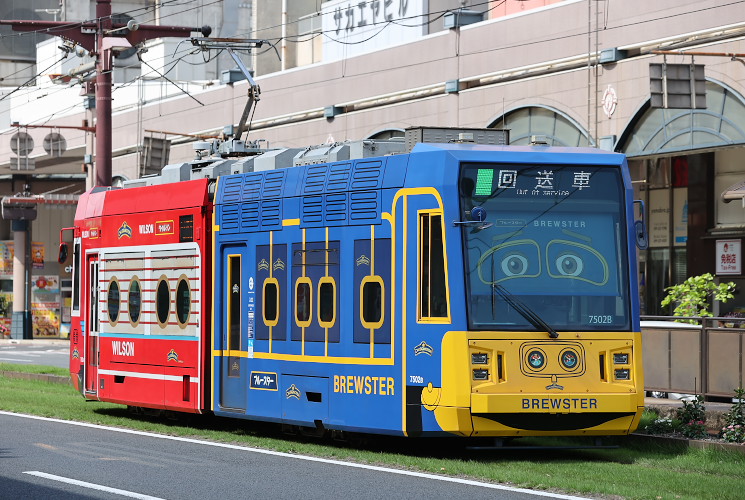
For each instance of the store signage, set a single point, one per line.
(729, 257)
(352, 28)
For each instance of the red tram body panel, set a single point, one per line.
(142, 316)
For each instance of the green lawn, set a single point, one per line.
(638, 469)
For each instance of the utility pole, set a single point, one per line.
(104, 39)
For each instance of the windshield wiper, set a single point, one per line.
(524, 310)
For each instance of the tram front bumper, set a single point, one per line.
(555, 414)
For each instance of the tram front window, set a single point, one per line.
(553, 239)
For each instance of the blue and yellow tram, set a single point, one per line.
(459, 289)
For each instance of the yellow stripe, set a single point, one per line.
(310, 287)
(215, 229)
(307, 358)
(326, 330)
(372, 273)
(404, 193)
(291, 222)
(271, 275)
(403, 312)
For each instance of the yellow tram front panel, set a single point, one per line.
(499, 384)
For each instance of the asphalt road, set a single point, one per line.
(44, 458)
(36, 352)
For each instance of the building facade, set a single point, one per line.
(580, 73)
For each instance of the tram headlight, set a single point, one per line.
(480, 374)
(479, 358)
(623, 374)
(621, 358)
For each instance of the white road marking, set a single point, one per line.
(422, 475)
(17, 360)
(93, 486)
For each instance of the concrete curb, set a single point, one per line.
(683, 443)
(44, 377)
(28, 342)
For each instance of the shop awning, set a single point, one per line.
(734, 192)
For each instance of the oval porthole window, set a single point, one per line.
(162, 301)
(183, 301)
(112, 301)
(134, 300)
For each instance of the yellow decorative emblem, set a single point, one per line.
(124, 230)
(292, 392)
(423, 348)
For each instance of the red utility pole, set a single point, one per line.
(99, 37)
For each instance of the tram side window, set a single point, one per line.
(372, 302)
(134, 301)
(303, 302)
(326, 302)
(183, 302)
(271, 301)
(112, 301)
(163, 301)
(432, 283)
(234, 302)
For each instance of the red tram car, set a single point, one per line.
(153, 245)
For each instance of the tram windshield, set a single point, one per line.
(545, 242)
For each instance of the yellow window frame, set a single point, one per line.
(231, 259)
(372, 279)
(307, 281)
(275, 282)
(321, 282)
(421, 216)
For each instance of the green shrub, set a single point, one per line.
(692, 418)
(691, 298)
(660, 425)
(734, 420)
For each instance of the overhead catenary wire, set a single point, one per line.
(490, 49)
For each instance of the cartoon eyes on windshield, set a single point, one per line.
(569, 259)
(514, 265)
(569, 265)
(513, 259)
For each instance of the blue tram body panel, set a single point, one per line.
(325, 314)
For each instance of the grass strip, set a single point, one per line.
(635, 470)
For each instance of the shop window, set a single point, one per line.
(163, 301)
(432, 282)
(112, 301)
(183, 302)
(134, 300)
(303, 302)
(326, 302)
(371, 308)
(271, 302)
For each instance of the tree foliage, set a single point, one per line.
(692, 297)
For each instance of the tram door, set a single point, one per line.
(233, 369)
(425, 311)
(91, 330)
